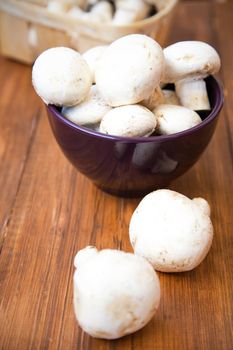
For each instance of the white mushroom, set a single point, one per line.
(132, 120)
(88, 112)
(61, 76)
(187, 63)
(173, 232)
(129, 70)
(129, 11)
(115, 293)
(172, 119)
(92, 57)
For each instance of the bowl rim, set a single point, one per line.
(143, 139)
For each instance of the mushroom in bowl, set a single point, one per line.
(137, 150)
(132, 166)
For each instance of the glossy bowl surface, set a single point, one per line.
(134, 166)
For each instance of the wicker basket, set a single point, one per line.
(27, 29)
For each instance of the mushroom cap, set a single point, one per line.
(132, 120)
(92, 57)
(189, 59)
(203, 204)
(84, 255)
(171, 231)
(115, 293)
(61, 77)
(129, 70)
(90, 111)
(172, 119)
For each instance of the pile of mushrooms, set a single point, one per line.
(116, 89)
(117, 12)
(117, 293)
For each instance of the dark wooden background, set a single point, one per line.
(48, 211)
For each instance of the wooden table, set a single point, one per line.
(48, 211)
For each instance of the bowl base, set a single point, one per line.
(129, 193)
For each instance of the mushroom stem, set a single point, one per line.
(170, 97)
(155, 99)
(193, 94)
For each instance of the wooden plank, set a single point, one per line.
(223, 19)
(51, 237)
(57, 211)
(17, 124)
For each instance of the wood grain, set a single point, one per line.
(48, 211)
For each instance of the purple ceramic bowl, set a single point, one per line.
(134, 166)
